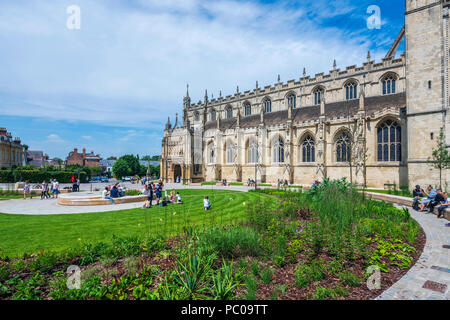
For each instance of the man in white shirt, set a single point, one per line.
(105, 195)
(55, 188)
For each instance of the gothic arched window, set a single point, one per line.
(291, 101)
(247, 109)
(351, 89)
(318, 95)
(343, 148)
(278, 151)
(389, 141)
(252, 152)
(229, 112)
(308, 150)
(213, 115)
(230, 152)
(267, 105)
(197, 116)
(388, 84)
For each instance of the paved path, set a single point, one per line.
(36, 206)
(410, 287)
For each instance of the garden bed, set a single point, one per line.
(289, 246)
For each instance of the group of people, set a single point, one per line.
(45, 188)
(75, 184)
(153, 190)
(251, 182)
(113, 192)
(429, 199)
(283, 183)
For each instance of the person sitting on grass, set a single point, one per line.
(206, 203)
(172, 196)
(106, 195)
(147, 205)
(179, 198)
(164, 202)
(430, 197)
(443, 206)
(27, 190)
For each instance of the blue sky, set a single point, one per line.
(111, 85)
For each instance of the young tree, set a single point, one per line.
(440, 158)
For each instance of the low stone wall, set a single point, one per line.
(39, 191)
(96, 200)
(405, 201)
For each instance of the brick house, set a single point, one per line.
(83, 159)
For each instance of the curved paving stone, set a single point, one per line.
(410, 286)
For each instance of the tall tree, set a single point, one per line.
(440, 157)
(121, 169)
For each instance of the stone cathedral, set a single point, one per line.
(376, 123)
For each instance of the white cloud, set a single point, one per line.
(129, 63)
(86, 137)
(54, 138)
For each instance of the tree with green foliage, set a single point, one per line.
(121, 169)
(440, 158)
(133, 164)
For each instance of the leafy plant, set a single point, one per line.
(224, 284)
(350, 279)
(266, 275)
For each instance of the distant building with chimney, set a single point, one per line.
(11, 150)
(83, 159)
(36, 158)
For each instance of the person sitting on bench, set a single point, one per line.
(444, 205)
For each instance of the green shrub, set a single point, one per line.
(333, 293)
(266, 275)
(44, 262)
(231, 242)
(132, 192)
(254, 268)
(350, 279)
(27, 289)
(224, 283)
(252, 286)
(304, 274)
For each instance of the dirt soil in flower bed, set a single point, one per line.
(286, 276)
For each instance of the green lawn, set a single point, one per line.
(8, 197)
(25, 234)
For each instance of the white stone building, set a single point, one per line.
(375, 124)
